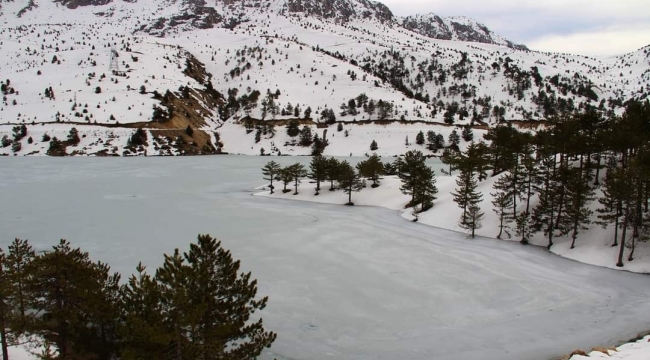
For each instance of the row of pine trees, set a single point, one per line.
(418, 179)
(547, 180)
(65, 306)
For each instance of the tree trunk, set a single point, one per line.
(635, 234)
(615, 231)
(350, 195)
(3, 331)
(500, 224)
(296, 187)
(597, 182)
(622, 247)
(317, 186)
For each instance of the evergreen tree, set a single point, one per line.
(286, 176)
(142, 331)
(502, 201)
(419, 138)
(297, 171)
(418, 180)
(371, 168)
(465, 194)
(271, 171)
(580, 193)
(318, 171)
(473, 219)
(208, 304)
(73, 136)
(454, 140)
(18, 266)
(306, 137)
(75, 303)
(333, 167)
(467, 133)
(432, 143)
(524, 226)
(5, 309)
(612, 200)
(348, 180)
(373, 146)
(293, 128)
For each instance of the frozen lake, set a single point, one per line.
(343, 282)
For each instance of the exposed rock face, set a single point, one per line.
(455, 28)
(73, 4)
(342, 10)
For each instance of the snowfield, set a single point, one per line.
(343, 282)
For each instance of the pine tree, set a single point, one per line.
(454, 140)
(523, 227)
(502, 201)
(286, 176)
(306, 137)
(75, 303)
(419, 138)
(580, 193)
(318, 171)
(143, 331)
(349, 180)
(432, 143)
(333, 167)
(18, 266)
(426, 188)
(612, 200)
(473, 219)
(467, 133)
(293, 128)
(410, 170)
(373, 146)
(465, 194)
(5, 309)
(208, 304)
(271, 171)
(297, 171)
(73, 136)
(371, 168)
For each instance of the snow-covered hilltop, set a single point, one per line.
(228, 75)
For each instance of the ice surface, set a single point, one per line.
(343, 282)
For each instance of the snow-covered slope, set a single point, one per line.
(455, 28)
(297, 54)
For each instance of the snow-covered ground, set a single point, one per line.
(593, 246)
(343, 282)
(639, 350)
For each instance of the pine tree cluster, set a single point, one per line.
(196, 306)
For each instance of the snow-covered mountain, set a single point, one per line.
(231, 70)
(455, 28)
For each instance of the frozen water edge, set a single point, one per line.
(343, 282)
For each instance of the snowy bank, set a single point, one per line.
(593, 246)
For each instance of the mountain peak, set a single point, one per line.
(459, 28)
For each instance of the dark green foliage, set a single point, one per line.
(371, 168)
(208, 304)
(6, 141)
(339, 127)
(45, 137)
(332, 170)
(198, 306)
(293, 128)
(418, 180)
(139, 138)
(318, 145)
(74, 303)
(419, 138)
(73, 136)
(466, 194)
(296, 171)
(374, 146)
(271, 171)
(454, 140)
(348, 180)
(306, 137)
(473, 219)
(467, 134)
(318, 170)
